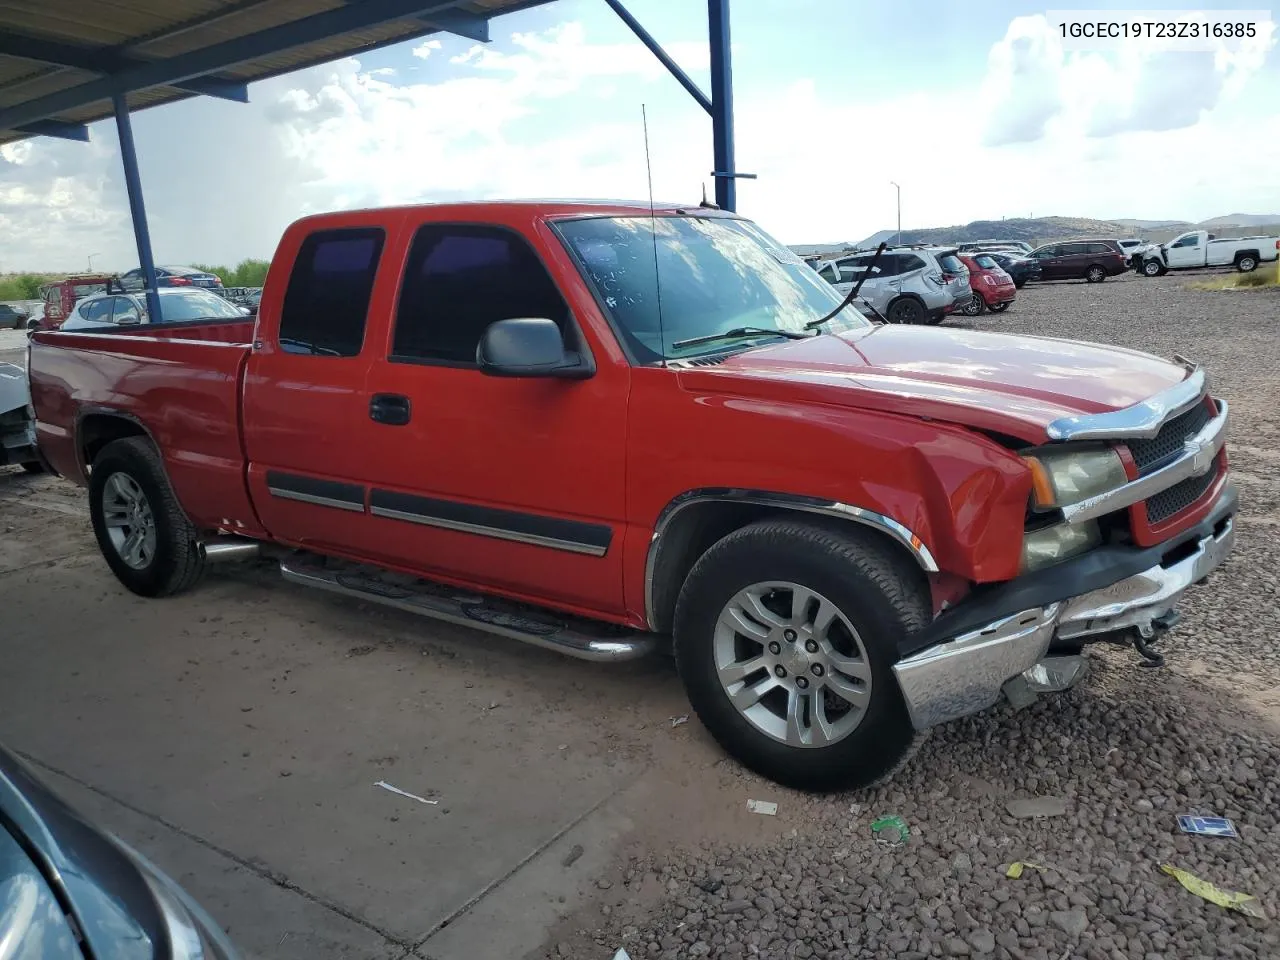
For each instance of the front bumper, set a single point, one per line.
(967, 671)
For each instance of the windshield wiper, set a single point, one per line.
(737, 332)
(853, 294)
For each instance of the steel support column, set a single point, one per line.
(137, 210)
(722, 104)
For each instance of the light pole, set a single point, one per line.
(91, 256)
(899, 189)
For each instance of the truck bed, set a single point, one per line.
(178, 383)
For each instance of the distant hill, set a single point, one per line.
(1048, 229)
(1242, 220)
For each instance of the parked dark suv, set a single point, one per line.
(1092, 260)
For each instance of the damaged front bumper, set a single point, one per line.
(964, 665)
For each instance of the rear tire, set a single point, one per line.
(144, 534)
(906, 310)
(33, 466)
(1095, 274)
(974, 307)
(1247, 264)
(797, 727)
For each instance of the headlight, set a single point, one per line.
(1049, 545)
(1063, 477)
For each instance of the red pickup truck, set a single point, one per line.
(592, 428)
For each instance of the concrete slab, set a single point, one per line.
(257, 716)
(263, 918)
(512, 919)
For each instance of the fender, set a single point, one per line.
(782, 501)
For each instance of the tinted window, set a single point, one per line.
(1044, 252)
(908, 262)
(97, 310)
(851, 271)
(1101, 248)
(126, 311)
(460, 279)
(327, 301)
(950, 263)
(986, 262)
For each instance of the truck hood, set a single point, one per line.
(1013, 385)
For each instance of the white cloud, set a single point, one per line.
(426, 48)
(554, 114)
(1033, 85)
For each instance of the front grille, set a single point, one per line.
(1166, 446)
(1181, 495)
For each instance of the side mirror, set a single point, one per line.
(528, 347)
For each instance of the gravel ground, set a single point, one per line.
(1120, 756)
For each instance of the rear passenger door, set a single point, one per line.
(305, 407)
(511, 483)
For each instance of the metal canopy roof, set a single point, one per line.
(61, 61)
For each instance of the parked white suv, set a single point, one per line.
(106, 311)
(908, 284)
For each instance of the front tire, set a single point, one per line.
(1095, 274)
(1152, 268)
(144, 534)
(786, 633)
(1247, 264)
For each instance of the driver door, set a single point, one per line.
(1186, 252)
(512, 482)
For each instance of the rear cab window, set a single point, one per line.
(326, 304)
(986, 261)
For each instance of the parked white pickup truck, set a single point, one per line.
(1199, 249)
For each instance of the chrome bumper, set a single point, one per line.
(967, 674)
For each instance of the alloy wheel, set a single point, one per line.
(130, 522)
(792, 664)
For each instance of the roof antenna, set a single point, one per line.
(653, 229)
(707, 204)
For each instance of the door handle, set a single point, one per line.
(389, 408)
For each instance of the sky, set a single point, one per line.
(976, 110)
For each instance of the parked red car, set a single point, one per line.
(61, 296)
(506, 416)
(993, 289)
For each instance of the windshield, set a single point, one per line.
(712, 275)
(196, 306)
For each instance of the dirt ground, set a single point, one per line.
(235, 735)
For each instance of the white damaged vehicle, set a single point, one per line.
(17, 424)
(1198, 248)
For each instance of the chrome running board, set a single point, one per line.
(513, 620)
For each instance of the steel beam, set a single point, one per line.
(137, 210)
(197, 63)
(460, 23)
(722, 104)
(56, 128)
(664, 58)
(109, 62)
